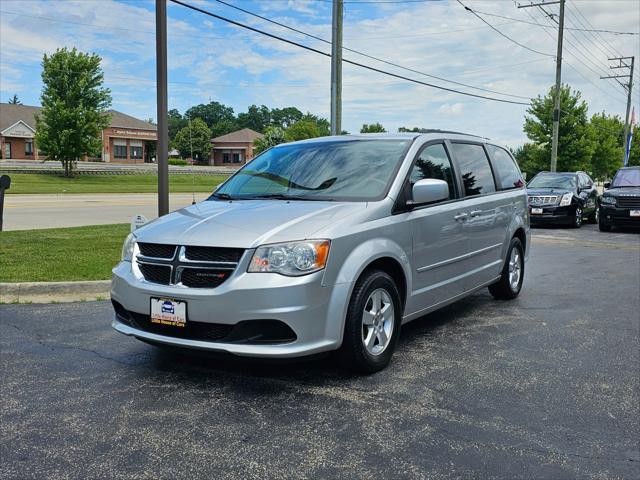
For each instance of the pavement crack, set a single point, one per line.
(34, 337)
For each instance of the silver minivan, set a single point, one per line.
(329, 244)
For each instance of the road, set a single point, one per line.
(26, 212)
(545, 386)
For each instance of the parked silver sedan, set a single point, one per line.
(329, 244)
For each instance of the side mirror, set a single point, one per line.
(429, 190)
(607, 184)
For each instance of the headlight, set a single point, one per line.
(566, 199)
(127, 247)
(292, 259)
(608, 200)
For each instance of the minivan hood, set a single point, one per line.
(245, 223)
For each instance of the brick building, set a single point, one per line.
(122, 142)
(234, 149)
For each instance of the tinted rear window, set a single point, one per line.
(474, 169)
(505, 167)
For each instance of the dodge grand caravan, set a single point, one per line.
(329, 244)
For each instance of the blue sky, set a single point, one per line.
(211, 60)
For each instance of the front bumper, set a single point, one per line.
(313, 311)
(613, 215)
(553, 214)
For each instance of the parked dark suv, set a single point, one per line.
(562, 198)
(620, 203)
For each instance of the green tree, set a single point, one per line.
(223, 127)
(195, 137)
(175, 123)
(14, 100)
(607, 132)
(372, 128)
(411, 130)
(212, 113)
(531, 159)
(575, 142)
(285, 117)
(272, 136)
(301, 130)
(256, 118)
(324, 127)
(74, 107)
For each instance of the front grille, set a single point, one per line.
(540, 200)
(187, 266)
(203, 277)
(191, 331)
(157, 250)
(629, 202)
(156, 273)
(213, 254)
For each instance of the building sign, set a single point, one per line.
(18, 129)
(135, 133)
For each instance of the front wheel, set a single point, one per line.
(373, 323)
(577, 220)
(595, 216)
(603, 226)
(510, 283)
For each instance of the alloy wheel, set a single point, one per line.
(377, 321)
(515, 269)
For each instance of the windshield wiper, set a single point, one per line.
(283, 196)
(222, 196)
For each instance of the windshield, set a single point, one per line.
(553, 181)
(338, 170)
(627, 178)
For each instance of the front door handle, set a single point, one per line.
(461, 216)
(475, 213)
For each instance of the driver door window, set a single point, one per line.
(433, 162)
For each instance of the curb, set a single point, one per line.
(47, 292)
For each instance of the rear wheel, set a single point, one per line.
(373, 323)
(510, 283)
(595, 216)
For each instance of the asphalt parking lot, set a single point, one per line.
(545, 386)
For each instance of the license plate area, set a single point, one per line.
(634, 213)
(169, 312)
(536, 211)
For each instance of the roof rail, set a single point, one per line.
(435, 130)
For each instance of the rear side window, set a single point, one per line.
(505, 167)
(433, 162)
(474, 169)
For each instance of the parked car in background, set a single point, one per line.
(329, 244)
(620, 203)
(566, 198)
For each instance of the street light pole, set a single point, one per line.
(162, 150)
(336, 68)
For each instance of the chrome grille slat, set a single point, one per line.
(628, 202)
(542, 200)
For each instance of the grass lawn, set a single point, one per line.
(59, 254)
(133, 183)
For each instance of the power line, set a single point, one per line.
(351, 62)
(315, 37)
(503, 34)
(547, 26)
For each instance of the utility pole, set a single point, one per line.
(623, 62)
(162, 150)
(556, 99)
(336, 68)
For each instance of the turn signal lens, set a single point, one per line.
(292, 258)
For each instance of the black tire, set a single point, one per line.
(577, 218)
(503, 289)
(353, 353)
(603, 226)
(595, 216)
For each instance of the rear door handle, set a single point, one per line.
(475, 213)
(461, 216)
